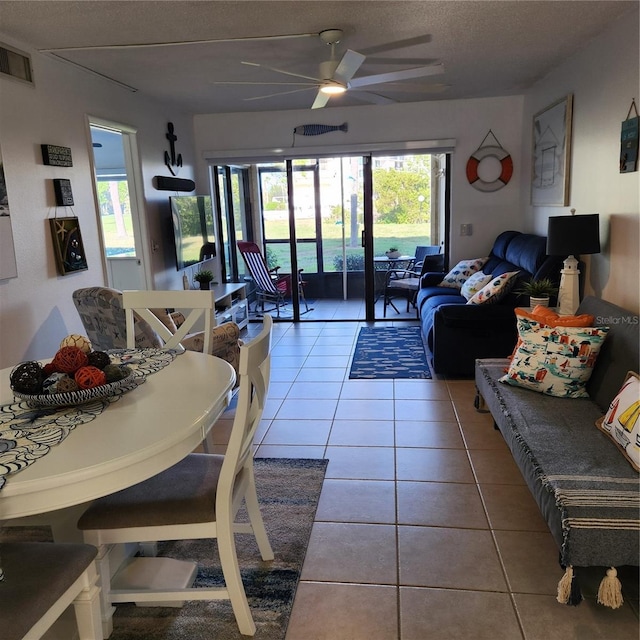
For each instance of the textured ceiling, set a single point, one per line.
(488, 48)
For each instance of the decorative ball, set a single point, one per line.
(114, 372)
(76, 340)
(66, 385)
(98, 359)
(89, 377)
(69, 359)
(48, 369)
(27, 378)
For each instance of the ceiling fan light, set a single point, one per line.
(332, 88)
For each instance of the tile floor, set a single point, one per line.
(425, 529)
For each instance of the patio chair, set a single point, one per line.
(401, 283)
(270, 286)
(428, 258)
(197, 498)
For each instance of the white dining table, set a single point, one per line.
(149, 429)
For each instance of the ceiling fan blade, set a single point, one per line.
(405, 61)
(288, 73)
(406, 87)
(320, 101)
(394, 76)
(147, 45)
(398, 44)
(350, 63)
(280, 93)
(308, 84)
(373, 98)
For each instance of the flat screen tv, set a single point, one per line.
(193, 229)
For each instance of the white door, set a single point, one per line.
(118, 194)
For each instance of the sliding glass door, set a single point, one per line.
(403, 221)
(332, 220)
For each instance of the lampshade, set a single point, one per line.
(573, 235)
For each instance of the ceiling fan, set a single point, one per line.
(336, 76)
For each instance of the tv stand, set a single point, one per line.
(231, 303)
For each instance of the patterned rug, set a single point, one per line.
(389, 352)
(288, 490)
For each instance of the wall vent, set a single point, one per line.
(15, 64)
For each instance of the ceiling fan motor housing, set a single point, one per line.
(331, 36)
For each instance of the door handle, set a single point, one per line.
(362, 238)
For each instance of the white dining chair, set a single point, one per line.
(197, 498)
(41, 579)
(141, 304)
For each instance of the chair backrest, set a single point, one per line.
(427, 250)
(428, 258)
(257, 266)
(141, 303)
(255, 373)
(103, 317)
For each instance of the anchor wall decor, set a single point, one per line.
(173, 162)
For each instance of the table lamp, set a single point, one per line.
(572, 236)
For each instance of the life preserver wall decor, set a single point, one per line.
(496, 151)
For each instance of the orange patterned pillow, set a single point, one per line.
(550, 318)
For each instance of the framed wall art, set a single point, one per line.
(551, 161)
(67, 245)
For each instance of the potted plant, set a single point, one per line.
(203, 278)
(539, 291)
(393, 253)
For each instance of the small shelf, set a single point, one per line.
(231, 304)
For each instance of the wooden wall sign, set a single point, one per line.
(56, 156)
(64, 195)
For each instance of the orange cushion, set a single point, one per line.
(550, 318)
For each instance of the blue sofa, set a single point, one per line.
(457, 333)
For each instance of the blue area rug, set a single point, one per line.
(288, 491)
(389, 352)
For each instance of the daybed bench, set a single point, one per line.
(585, 489)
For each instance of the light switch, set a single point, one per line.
(466, 229)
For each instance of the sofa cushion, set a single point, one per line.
(556, 361)
(550, 318)
(619, 353)
(474, 283)
(495, 289)
(459, 274)
(621, 422)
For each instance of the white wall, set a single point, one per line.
(36, 307)
(603, 77)
(467, 121)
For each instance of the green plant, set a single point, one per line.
(538, 288)
(203, 276)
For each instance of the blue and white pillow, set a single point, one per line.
(495, 289)
(461, 272)
(474, 283)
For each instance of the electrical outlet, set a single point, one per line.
(466, 229)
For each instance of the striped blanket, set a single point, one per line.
(586, 490)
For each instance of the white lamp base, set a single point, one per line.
(568, 295)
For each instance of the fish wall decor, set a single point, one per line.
(319, 129)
